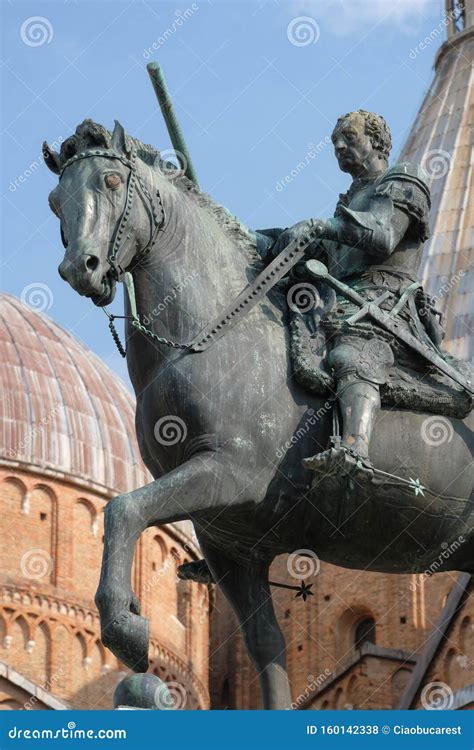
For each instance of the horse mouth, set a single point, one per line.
(106, 295)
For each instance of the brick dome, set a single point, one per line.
(63, 409)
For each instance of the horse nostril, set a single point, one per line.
(92, 262)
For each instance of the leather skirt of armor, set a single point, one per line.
(363, 348)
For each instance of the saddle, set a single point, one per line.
(410, 384)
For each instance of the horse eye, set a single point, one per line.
(113, 181)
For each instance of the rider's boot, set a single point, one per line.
(359, 402)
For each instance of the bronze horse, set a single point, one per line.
(224, 431)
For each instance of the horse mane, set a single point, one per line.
(90, 134)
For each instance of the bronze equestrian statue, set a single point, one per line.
(252, 396)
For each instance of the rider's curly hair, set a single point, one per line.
(375, 127)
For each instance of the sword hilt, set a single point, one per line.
(316, 268)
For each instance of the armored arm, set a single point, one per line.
(400, 205)
(266, 240)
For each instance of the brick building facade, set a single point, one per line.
(67, 445)
(354, 644)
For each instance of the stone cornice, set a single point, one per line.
(451, 43)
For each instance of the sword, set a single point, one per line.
(253, 293)
(319, 271)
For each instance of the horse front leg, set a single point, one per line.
(245, 586)
(197, 486)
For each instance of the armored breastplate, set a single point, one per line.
(371, 206)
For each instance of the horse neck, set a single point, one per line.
(194, 270)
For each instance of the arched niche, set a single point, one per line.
(36, 534)
(354, 627)
(79, 675)
(86, 547)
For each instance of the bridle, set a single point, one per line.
(154, 206)
(136, 185)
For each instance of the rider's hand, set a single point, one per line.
(296, 231)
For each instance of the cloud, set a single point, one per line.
(343, 17)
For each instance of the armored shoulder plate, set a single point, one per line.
(407, 186)
(406, 171)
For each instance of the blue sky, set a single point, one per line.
(254, 84)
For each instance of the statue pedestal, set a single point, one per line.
(142, 692)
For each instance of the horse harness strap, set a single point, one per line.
(135, 183)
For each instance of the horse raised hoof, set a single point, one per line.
(127, 636)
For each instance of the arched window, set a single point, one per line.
(364, 632)
(183, 592)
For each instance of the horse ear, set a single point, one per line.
(119, 140)
(51, 158)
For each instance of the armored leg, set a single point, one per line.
(359, 367)
(359, 402)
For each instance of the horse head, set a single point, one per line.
(109, 210)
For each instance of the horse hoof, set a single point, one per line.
(127, 636)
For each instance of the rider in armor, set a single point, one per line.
(374, 244)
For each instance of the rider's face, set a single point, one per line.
(352, 145)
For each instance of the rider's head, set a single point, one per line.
(362, 142)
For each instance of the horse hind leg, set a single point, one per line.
(200, 485)
(247, 590)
